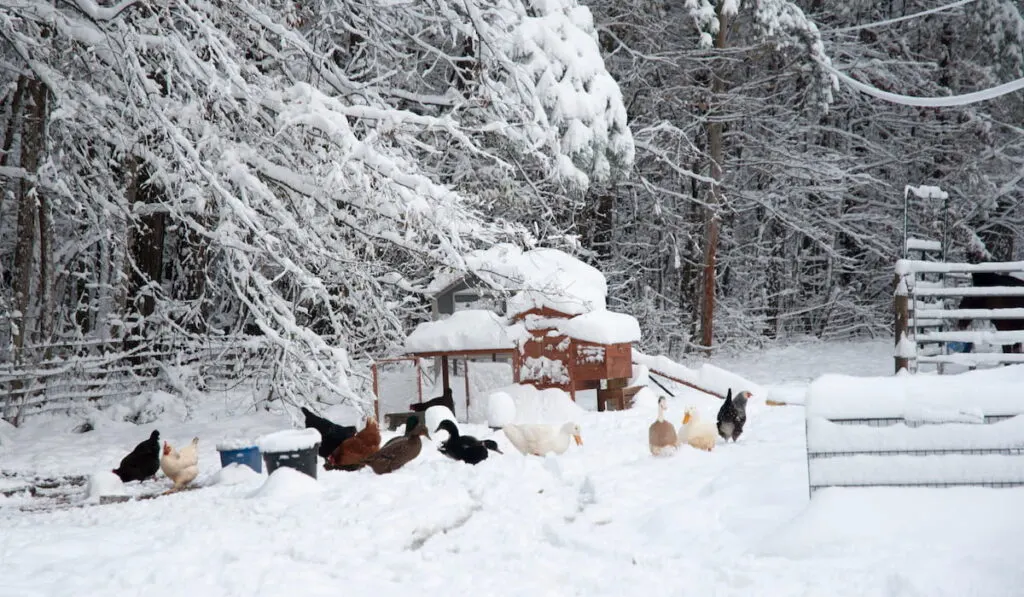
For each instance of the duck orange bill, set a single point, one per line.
(579, 440)
(686, 418)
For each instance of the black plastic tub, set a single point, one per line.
(304, 461)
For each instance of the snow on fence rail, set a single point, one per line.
(917, 320)
(916, 431)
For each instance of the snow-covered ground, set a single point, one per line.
(603, 519)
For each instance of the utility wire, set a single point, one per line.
(901, 19)
(929, 102)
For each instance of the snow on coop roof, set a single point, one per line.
(472, 329)
(602, 327)
(540, 278)
(987, 392)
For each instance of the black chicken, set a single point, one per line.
(142, 462)
(331, 434)
(445, 399)
(733, 415)
(464, 447)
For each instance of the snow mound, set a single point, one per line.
(434, 415)
(501, 409)
(552, 405)
(289, 440)
(103, 483)
(235, 474)
(287, 483)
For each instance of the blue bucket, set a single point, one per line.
(250, 457)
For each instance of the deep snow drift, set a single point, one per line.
(603, 519)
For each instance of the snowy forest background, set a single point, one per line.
(271, 185)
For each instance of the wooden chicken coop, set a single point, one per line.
(552, 357)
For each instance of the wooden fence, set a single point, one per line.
(924, 320)
(64, 375)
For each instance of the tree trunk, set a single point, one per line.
(33, 124)
(37, 139)
(711, 216)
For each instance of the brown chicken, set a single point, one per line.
(361, 445)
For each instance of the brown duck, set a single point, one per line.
(397, 452)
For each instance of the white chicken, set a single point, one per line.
(180, 466)
(695, 432)
(540, 439)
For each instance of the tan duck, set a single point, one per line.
(397, 452)
(662, 435)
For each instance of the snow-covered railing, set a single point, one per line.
(918, 331)
(916, 431)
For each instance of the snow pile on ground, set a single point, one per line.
(287, 483)
(501, 409)
(434, 415)
(235, 474)
(103, 483)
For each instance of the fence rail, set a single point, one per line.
(922, 331)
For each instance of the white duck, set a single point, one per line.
(539, 439)
(696, 433)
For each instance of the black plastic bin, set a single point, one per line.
(304, 461)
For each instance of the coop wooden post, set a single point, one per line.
(444, 372)
(901, 300)
(467, 389)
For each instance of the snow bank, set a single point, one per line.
(541, 406)
(824, 436)
(540, 278)
(602, 327)
(287, 483)
(102, 483)
(236, 474)
(472, 329)
(501, 409)
(289, 440)
(990, 392)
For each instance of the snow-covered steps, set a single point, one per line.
(945, 431)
